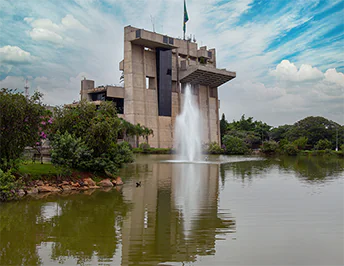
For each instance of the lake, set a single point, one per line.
(230, 210)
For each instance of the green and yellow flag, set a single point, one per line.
(186, 18)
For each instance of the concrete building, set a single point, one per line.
(156, 70)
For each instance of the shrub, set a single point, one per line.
(323, 144)
(214, 148)
(8, 184)
(290, 149)
(301, 143)
(234, 145)
(69, 151)
(269, 147)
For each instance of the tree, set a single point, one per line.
(146, 133)
(234, 145)
(301, 143)
(314, 128)
(138, 133)
(20, 118)
(323, 144)
(279, 133)
(269, 147)
(91, 131)
(223, 126)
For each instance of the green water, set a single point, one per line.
(285, 211)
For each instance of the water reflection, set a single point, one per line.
(175, 215)
(308, 169)
(77, 226)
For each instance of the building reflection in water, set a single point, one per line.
(175, 214)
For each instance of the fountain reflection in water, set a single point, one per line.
(190, 189)
(188, 129)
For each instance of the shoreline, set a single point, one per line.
(62, 186)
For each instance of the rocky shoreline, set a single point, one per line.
(88, 183)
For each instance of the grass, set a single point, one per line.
(153, 150)
(37, 169)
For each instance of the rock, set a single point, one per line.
(39, 183)
(105, 183)
(89, 181)
(65, 183)
(48, 189)
(75, 184)
(119, 181)
(32, 190)
(66, 188)
(91, 187)
(113, 181)
(21, 192)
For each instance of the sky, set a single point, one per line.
(288, 55)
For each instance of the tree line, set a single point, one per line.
(311, 133)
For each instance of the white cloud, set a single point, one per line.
(14, 54)
(46, 30)
(46, 24)
(289, 72)
(69, 22)
(40, 34)
(333, 76)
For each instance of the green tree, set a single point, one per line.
(269, 147)
(95, 132)
(290, 149)
(323, 144)
(69, 151)
(234, 145)
(279, 133)
(223, 126)
(314, 128)
(146, 133)
(301, 143)
(19, 123)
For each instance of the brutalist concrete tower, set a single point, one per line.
(156, 68)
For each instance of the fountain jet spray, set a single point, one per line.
(188, 129)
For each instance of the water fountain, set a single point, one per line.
(188, 129)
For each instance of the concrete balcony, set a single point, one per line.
(205, 75)
(151, 39)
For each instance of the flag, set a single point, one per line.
(186, 17)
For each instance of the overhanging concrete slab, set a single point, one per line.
(152, 44)
(209, 76)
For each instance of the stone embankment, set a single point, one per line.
(40, 186)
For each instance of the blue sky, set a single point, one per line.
(288, 55)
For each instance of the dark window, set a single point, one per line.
(138, 33)
(170, 41)
(164, 81)
(210, 54)
(98, 96)
(119, 102)
(165, 39)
